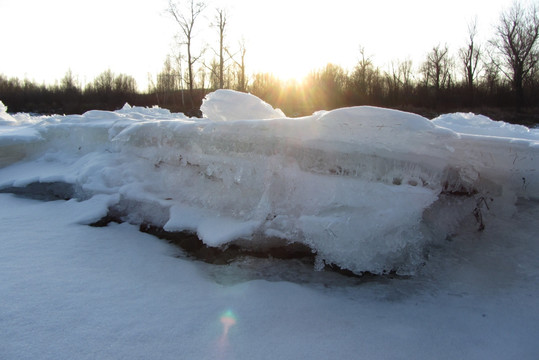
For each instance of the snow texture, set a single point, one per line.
(367, 189)
(70, 291)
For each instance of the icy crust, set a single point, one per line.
(366, 188)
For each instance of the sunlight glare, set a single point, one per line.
(286, 38)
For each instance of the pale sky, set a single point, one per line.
(41, 40)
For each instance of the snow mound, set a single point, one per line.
(226, 105)
(367, 189)
(469, 123)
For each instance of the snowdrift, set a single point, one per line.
(367, 189)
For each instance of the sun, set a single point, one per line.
(291, 59)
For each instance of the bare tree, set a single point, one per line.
(168, 82)
(516, 42)
(365, 81)
(241, 75)
(202, 76)
(213, 68)
(399, 78)
(217, 66)
(125, 84)
(186, 20)
(221, 21)
(470, 56)
(362, 74)
(393, 80)
(406, 74)
(491, 73)
(69, 83)
(103, 83)
(178, 66)
(437, 69)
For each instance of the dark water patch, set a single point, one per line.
(106, 220)
(195, 247)
(277, 260)
(366, 275)
(270, 259)
(45, 191)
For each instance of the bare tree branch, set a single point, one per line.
(186, 20)
(470, 56)
(516, 42)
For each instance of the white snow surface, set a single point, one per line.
(70, 291)
(365, 188)
(368, 189)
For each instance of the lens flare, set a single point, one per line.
(228, 319)
(224, 350)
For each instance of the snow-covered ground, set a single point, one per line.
(367, 189)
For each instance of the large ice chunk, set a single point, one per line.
(226, 105)
(365, 188)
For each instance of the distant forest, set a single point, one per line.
(499, 78)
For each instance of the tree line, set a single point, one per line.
(499, 75)
(107, 91)
(499, 78)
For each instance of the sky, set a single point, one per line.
(41, 40)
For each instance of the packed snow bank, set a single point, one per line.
(366, 188)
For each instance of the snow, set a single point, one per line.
(5, 118)
(367, 189)
(353, 184)
(469, 123)
(73, 291)
(228, 105)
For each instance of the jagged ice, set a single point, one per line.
(367, 189)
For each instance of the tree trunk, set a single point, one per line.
(190, 73)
